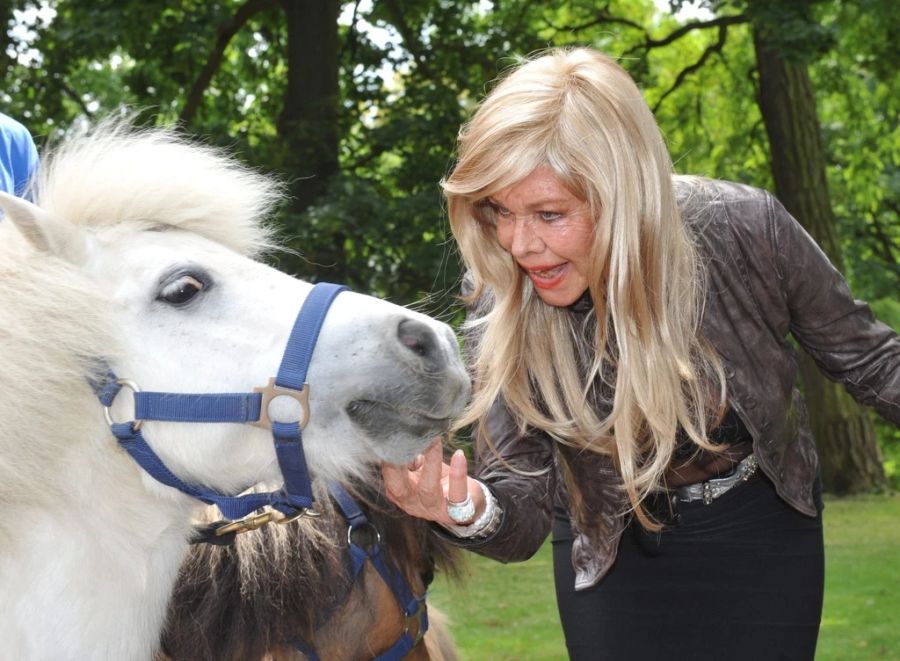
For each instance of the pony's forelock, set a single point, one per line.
(93, 176)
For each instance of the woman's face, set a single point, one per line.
(548, 231)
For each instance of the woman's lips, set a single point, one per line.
(548, 277)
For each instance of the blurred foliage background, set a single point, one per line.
(357, 106)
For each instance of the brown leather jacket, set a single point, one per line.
(766, 279)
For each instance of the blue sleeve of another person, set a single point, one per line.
(18, 156)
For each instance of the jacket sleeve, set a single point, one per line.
(518, 467)
(520, 473)
(845, 340)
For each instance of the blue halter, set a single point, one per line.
(415, 610)
(295, 496)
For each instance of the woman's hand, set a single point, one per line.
(423, 488)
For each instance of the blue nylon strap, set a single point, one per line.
(398, 650)
(232, 507)
(292, 461)
(358, 557)
(292, 374)
(302, 341)
(350, 509)
(107, 389)
(356, 517)
(235, 407)
(410, 604)
(187, 407)
(305, 649)
(398, 585)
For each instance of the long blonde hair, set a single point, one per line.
(581, 114)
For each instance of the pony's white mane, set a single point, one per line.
(114, 173)
(53, 335)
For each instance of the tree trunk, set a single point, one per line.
(308, 124)
(843, 430)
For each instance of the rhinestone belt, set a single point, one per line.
(711, 489)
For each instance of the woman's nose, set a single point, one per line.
(524, 239)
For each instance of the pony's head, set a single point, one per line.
(139, 257)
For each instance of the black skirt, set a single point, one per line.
(739, 579)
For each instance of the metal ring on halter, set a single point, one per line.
(461, 512)
(417, 617)
(303, 512)
(366, 524)
(133, 387)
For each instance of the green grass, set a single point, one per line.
(861, 619)
(508, 612)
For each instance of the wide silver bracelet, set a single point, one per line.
(486, 524)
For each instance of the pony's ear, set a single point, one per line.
(46, 233)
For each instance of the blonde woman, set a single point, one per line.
(634, 387)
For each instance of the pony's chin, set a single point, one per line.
(397, 434)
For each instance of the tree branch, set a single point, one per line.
(684, 73)
(603, 18)
(720, 22)
(351, 41)
(409, 38)
(72, 94)
(885, 242)
(226, 33)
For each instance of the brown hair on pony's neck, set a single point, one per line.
(285, 583)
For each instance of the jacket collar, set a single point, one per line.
(583, 304)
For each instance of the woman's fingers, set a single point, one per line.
(417, 463)
(430, 479)
(460, 485)
(396, 483)
(417, 488)
(457, 487)
(424, 487)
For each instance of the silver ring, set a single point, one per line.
(461, 512)
(131, 385)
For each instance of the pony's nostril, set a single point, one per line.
(417, 337)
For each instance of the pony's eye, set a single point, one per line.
(181, 290)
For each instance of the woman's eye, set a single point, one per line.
(501, 212)
(549, 216)
(181, 290)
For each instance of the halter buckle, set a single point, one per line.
(246, 524)
(272, 391)
(255, 521)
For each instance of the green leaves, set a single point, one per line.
(411, 71)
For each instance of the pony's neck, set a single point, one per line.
(90, 577)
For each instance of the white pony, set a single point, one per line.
(138, 256)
